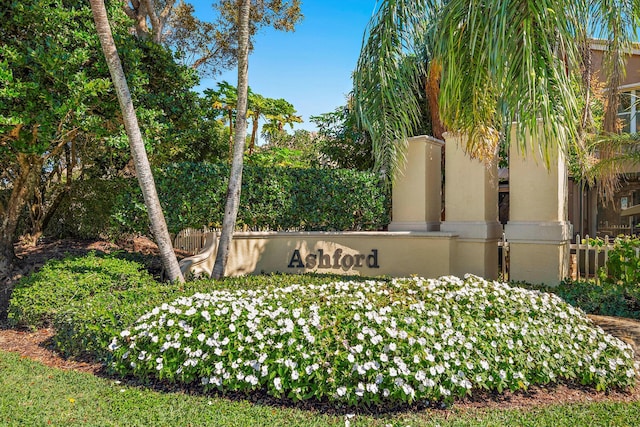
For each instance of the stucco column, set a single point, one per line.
(471, 209)
(538, 230)
(416, 191)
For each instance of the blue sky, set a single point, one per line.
(311, 67)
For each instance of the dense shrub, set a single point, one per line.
(274, 198)
(372, 342)
(87, 210)
(37, 298)
(617, 290)
(193, 195)
(623, 264)
(89, 300)
(87, 327)
(315, 336)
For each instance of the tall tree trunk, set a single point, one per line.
(235, 180)
(138, 152)
(23, 188)
(432, 91)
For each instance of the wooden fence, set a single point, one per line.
(589, 257)
(191, 240)
(586, 257)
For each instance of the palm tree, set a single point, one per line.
(278, 114)
(225, 99)
(257, 104)
(138, 152)
(484, 65)
(235, 179)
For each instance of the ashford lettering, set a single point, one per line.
(336, 260)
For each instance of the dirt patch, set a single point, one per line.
(38, 346)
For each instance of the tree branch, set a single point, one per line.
(131, 13)
(156, 24)
(167, 10)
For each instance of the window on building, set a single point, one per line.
(629, 111)
(635, 198)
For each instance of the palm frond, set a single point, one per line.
(508, 61)
(389, 77)
(611, 155)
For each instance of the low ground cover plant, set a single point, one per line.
(39, 297)
(616, 290)
(372, 342)
(603, 298)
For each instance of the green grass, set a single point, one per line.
(32, 394)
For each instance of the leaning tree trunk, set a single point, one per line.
(138, 152)
(235, 180)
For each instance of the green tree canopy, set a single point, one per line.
(59, 118)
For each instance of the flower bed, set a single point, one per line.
(373, 342)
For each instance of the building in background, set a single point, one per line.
(588, 213)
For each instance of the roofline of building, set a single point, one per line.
(602, 45)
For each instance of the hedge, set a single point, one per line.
(193, 195)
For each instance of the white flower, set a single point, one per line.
(113, 345)
(341, 391)
(277, 383)
(372, 388)
(408, 390)
(125, 333)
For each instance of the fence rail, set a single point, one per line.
(191, 240)
(587, 258)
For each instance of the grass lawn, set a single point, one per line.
(32, 394)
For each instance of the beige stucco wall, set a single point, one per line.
(539, 263)
(426, 254)
(471, 210)
(416, 192)
(471, 186)
(538, 230)
(537, 193)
